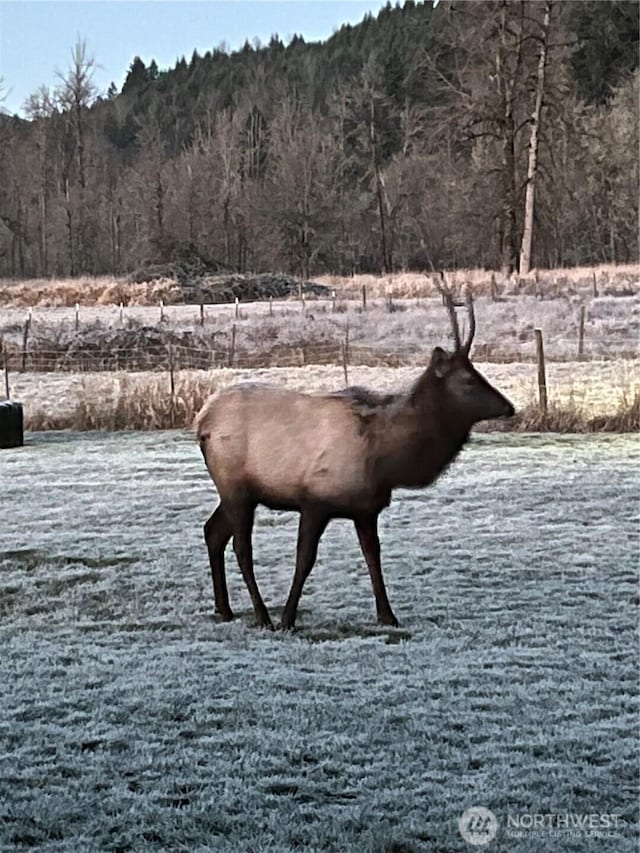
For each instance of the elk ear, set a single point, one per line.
(440, 362)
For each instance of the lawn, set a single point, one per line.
(131, 721)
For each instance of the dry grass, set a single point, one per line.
(554, 282)
(146, 403)
(107, 290)
(85, 290)
(573, 419)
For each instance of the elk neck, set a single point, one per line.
(419, 439)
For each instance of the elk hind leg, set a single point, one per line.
(217, 532)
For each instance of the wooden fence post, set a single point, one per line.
(542, 374)
(345, 355)
(121, 314)
(202, 313)
(25, 340)
(333, 301)
(271, 306)
(77, 316)
(595, 284)
(161, 310)
(5, 364)
(232, 348)
(494, 289)
(345, 366)
(583, 312)
(364, 297)
(237, 310)
(172, 386)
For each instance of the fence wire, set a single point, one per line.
(196, 337)
(166, 355)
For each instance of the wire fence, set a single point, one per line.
(199, 337)
(162, 356)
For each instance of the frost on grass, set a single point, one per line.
(387, 332)
(132, 721)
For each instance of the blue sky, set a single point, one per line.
(36, 36)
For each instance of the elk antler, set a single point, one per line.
(444, 291)
(472, 321)
(447, 298)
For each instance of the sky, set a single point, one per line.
(36, 36)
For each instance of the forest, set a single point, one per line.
(499, 134)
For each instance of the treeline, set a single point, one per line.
(501, 134)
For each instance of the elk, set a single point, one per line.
(334, 455)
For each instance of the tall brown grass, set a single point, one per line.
(573, 419)
(107, 290)
(87, 291)
(550, 282)
(148, 404)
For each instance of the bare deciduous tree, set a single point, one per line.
(532, 167)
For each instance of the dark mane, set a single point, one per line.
(366, 398)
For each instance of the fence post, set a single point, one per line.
(202, 313)
(25, 340)
(172, 386)
(583, 312)
(77, 316)
(364, 297)
(494, 289)
(121, 314)
(237, 308)
(232, 348)
(595, 284)
(161, 310)
(271, 306)
(5, 364)
(345, 366)
(542, 374)
(333, 301)
(345, 355)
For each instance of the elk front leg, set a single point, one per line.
(310, 530)
(367, 530)
(217, 532)
(242, 523)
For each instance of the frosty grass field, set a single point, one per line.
(130, 721)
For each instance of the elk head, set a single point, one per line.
(463, 390)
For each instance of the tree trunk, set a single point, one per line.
(72, 259)
(532, 169)
(379, 188)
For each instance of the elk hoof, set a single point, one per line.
(287, 623)
(224, 616)
(388, 619)
(264, 621)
